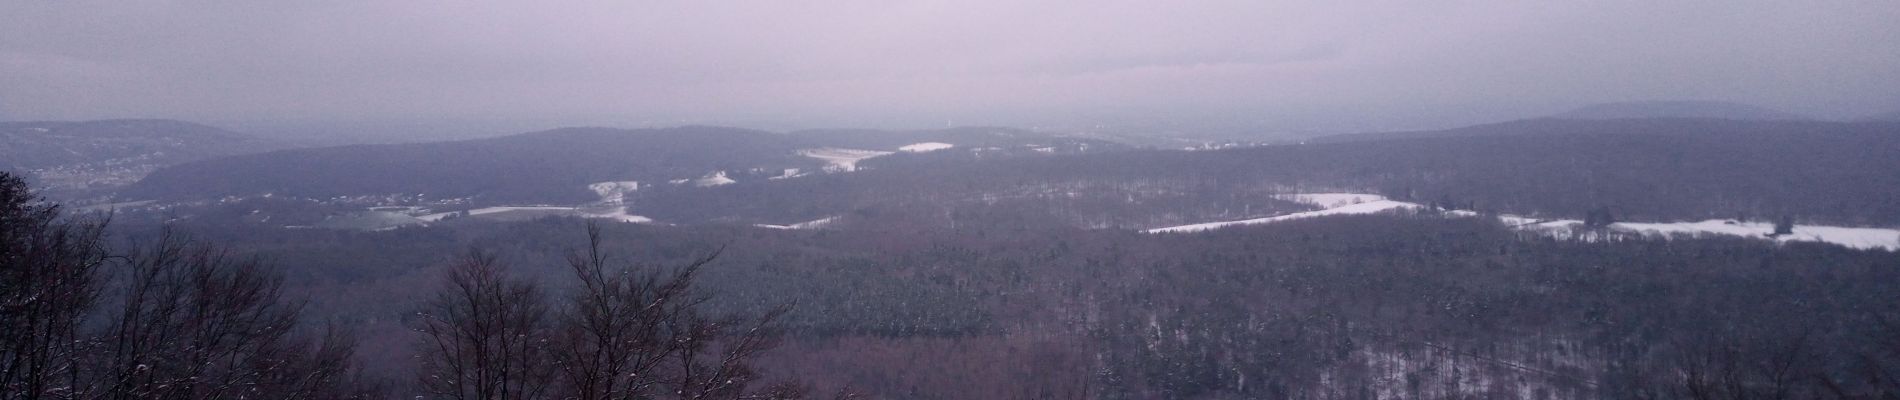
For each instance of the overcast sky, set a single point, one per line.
(925, 63)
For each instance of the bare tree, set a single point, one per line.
(485, 336)
(615, 339)
(714, 357)
(191, 323)
(48, 282)
(627, 334)
(196, 323)
(621, 334)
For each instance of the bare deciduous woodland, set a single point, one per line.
(970, 199)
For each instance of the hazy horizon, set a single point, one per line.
(1123, 66)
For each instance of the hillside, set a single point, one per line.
(1355, 299)
(77, 157)
(1559, 126)
(557, 166)
(962, 137)
(1888, 117)
(549, 166)
(1644, 170)
(1679, 109)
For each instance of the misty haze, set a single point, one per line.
(842, 199)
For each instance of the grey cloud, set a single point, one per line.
(921, 62)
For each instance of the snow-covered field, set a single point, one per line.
(617, 213)
(925, 147)
(813, 224)
(788, 173)
(614, 192)
(1372, 207)
(841, 160)
(1331, 200)
(1859, 238)
(1352, 203)
(493, 210)
(716, 179)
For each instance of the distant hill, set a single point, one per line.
(547, 166)
(870, 139)
(82, 156)
(557, 166)
(1888, 117)
(1557, 126)
(1679, 109)
(1643, 170)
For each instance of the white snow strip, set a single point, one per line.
(1361, 208)
(614, 192)
(925, 147)
(620, 214)
(1859, 238)
(1350, 203)
(787, 174)
(841, 160)
(492, 210)
(1331, 200)
(115, 206)
(617, 213)
(716, 179)
(813, 224)
(1535, 223)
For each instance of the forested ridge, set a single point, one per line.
(1637, 169)
(1414, 306)
(1642, 170)
(553, 166)
(969, 274)
(950, 200)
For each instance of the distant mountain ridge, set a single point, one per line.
(68, 156)
(1679, 109)
(1557, 126)
(1888, 117)
(547, 166)
(1644, 169)
(872, 139)
(557, 166)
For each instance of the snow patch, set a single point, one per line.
(813, 224)
(787, 174)
(842, 160)
(614, 192)
(715, 179)
(1360, 208)
(620, 214)
(925, 147)
(491, 210)
(1351, 203)
(1859, 238)
(1331, 200)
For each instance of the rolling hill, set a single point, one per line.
(1641, 170)
(885, 140)
(1560, 126)
(1679, 109)
(1888, 117)
(557, 166)
(86, 156)
(549, 166)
